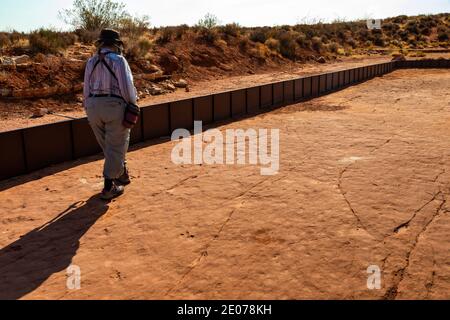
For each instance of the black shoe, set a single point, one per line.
(111, 190)
(124, 179)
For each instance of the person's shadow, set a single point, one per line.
(31, 260)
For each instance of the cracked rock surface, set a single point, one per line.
(363, 181)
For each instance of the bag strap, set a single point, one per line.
(101, 59)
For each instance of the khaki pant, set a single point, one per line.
(105, 116)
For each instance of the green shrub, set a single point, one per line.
(209, 21)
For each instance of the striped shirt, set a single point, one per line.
(101, 81)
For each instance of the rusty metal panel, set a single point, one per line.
(335, 80)
(278, 93)
(253, 100)
(315, 86)
(181, 115)
(298, 88)
(371, 72)
(48, 144)
(358, 74)
(434, 64)
(352, 76)
(84, 141)
(12, 156)
(322, 83)
(346, 77)
(156, 121)
(266, 96)
(203, 109)
(365, 73)
(307, 87)
(238, 102)
(222, 106)
(341, 79)
(289, 93)
(329, 86)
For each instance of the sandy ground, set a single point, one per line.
(363, 181)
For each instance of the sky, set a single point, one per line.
(26, 15)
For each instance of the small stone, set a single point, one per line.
(181, 83)
(41, 112)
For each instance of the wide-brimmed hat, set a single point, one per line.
(109, 37)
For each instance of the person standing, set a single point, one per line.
(108, 88)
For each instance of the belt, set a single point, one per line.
(105, 95)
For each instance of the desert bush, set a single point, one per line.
(443, 36)
(180, 31)
(209, 35)
(379, 41)
(50, 41)
(166, 35)
(94, 15)
(209, 21)
(287, 45)
(352, 43)
(317, 44)
(273, 44)
(137, 49)
(400, 19)
(302, 41)
(412, 27)
(260, 51)
(364, 35)
(134, 26)
(86, 36)
(258, 36)
(207, 28)
(244, 44)
(333, 47)
(231, 30)
(368, 44)
(4, 40)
